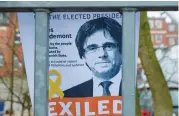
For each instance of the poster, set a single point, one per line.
(85, 62)
(85, 55)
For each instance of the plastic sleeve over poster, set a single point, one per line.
(85, 62)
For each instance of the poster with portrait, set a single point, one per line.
(85, 62)
(85, 55)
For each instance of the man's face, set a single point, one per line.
(102, 55)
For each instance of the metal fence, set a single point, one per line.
(42, 11)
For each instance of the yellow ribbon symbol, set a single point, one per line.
(54, 86)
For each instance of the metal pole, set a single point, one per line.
(129, 62)
(76, 5)
(41, 63)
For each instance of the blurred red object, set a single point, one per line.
(146, 113)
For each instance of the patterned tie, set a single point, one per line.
(105, 86)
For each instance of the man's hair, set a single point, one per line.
(92, 26)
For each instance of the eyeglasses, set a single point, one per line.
(94, 47)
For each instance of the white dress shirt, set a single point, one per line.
(113, 88)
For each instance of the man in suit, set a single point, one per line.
(99, 43)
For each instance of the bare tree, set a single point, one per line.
(16, 87)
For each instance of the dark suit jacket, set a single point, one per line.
(84, 90)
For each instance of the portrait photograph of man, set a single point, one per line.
(99, 45)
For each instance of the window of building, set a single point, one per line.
(171, 41)
(4, 18)
(158, 38)
(16, 63)
(171, 28)
(1, 60)
(20, 64)
(151, 23)
(174, 95)
(1, 16)
(146, 101)
(158, 23)
(17, 38)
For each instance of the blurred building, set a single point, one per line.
(163, 34)
(11, 55)
(11, 63)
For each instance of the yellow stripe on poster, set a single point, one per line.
(54, 86)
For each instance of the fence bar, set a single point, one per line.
(129, 63)
(41, 63)
(67, 5)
